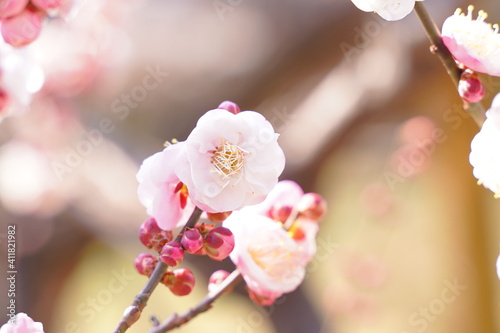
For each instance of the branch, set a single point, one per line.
(476, 110)
(133, 312)
(178, 320)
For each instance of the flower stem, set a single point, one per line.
(176, 320)
(133, 312)
(476, 110)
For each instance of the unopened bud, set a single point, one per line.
(152, 236)
(280, 213)
(192, 241)
(132, 314)
(230, 106)
(182, 282)
(217, 278)
(470, 87)
(218, 217)
(219, 243)
(48, 5)
(10, 8)
(172, 253)
(312, 206)
(23, 28)
(145, 263)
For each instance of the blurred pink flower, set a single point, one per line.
(23, 28)
(390, 10)
(283, 197)
(22, 324)
(10, 8)
(474, 43)
(230, 160)
(161, 192)
(485, 148)
(270, 261)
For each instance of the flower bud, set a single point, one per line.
(218, 217)
(172, 253)
(217, 278)
(280, 213)
(132, 314)
(4, 100)
(260, 300)
(23, 28)
(152, 236)
(312, 206)
(182, 282)
(230, 106)
(10, 8)
(145, 263)
(219, 243)
(48, 5)
(470, 87)
(192, 241)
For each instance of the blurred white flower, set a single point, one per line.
(22, 324)
(390, 10)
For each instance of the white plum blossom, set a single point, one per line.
(269, 259)
(390, 10)
(161, 191)
(230, 160)
(22, 324)
(485, 148)
(474, 43)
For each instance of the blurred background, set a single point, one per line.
(368, 118)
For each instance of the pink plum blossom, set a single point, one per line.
(161, 192)
(22, 324)
(270, 261)
(390, 10)
(474, 43)
(230, 160)
(485, 148)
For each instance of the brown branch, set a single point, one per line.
(178, 320)
(476, 110)
(133, 312)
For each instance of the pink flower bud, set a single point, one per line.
(312, 206)
(182, 282)
(470, 87)
(145, 263)
(10, 8)
(192, 241)
(217, 278)
(230, 106)
(219, 243)
(280, 213)
(23, 28)
(152, 236)
(167, 278)
(218, 217)
(261, 300)
(172, 253)
(48, 5)
(4, 100)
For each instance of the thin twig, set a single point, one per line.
(476, 110)
(133, 312)
(178, 320)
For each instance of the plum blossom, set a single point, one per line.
(485, 146)
(230, 160)
(22, 324)
(269, 259)
(390, 10)
(160, 190)
(474, 43)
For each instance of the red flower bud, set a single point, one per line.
(217, 278)
(182, 282)
(152, 236)
(219, 243)
(192, 241)
(10, 8)
(23, 28)
(145, 263)
(312, 206)
(230, 106)
(172, 253)
(280, 213)
(470, 87)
